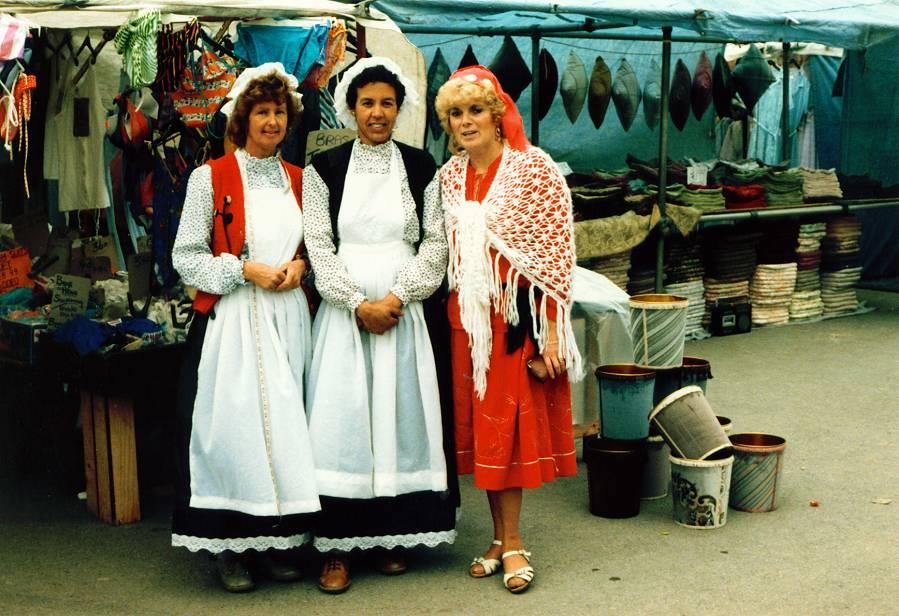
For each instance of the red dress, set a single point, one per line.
(520, 434)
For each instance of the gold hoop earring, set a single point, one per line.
(499, 134)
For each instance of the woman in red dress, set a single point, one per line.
(511, 249)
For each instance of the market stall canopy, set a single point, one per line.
(107, 13)
(852, 25)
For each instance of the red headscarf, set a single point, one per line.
(513, 127)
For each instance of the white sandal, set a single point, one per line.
(490, 565)
(525, 573)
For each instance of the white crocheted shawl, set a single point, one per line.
(526, 217)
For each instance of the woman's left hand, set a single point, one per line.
(555, 365)
(293, 275)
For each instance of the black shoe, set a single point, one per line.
(279, 565)
(233, 573)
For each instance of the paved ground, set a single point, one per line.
(830, 388)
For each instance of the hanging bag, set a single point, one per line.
(204, 85)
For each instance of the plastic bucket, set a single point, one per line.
(657, 470)
(658, 325)
(695, 371)
(726, 423)
(625, 399)
(758, 471)
(689, 426)
(699, 489)
(667, 382)
(613, 476)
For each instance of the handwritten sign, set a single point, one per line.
(32, 231)
(323, 140)
(101, 246)
(70, 297)
(140, 267)
(14, 267)
(95, 268)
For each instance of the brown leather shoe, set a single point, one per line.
(390, 562)
(335, 577)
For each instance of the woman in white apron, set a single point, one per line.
(378, 249)
(245, 467)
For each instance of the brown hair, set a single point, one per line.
(266, 89)
(460, 92)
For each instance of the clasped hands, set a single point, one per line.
(285, 277)
(379, 316)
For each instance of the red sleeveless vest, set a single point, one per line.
(226, 182)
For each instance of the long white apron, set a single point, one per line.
(249, 446)
(374, 407)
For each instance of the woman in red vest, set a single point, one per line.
(511, 256)
(245, 469)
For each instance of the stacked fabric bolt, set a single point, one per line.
(649, 170)
(820, 184)
(590, 202)
(718, 290)
(614, 267)
(806, 303)
(771, 291)
(616, 177)
(640, 204)
(741, 176)
(783, 188)
(694, 291)
(732, 257)
(743, 197)
(683, 262)
(705, 199)
(641, 279)
(840, 265)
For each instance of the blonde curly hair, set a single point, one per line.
(458, 93)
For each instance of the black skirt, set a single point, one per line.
(217, 530)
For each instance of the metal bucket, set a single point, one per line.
(658, 323)
(689, 426)
(699, 489)
(625, 399)
(657, 470)
(758, 471)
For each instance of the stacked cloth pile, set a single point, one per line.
(806, 304)
(840, 265)
(594, 201)
(730, 262)
(614, 267)
(683, 276)
(783, 188)
(744, 197)
(820, 184)
(648, 170)
(642, 279)
(732, 257)
(702, 198)
(771, 292)
(724, 292)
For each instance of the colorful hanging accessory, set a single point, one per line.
(626, 94)
(204, 85)
(600, 92)
(511, 69)
(13, 33)
(549, 82)
(573, 87)
(438, 73)
(22, 93)
(136, 43)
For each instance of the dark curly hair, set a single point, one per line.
(374, 74)
(266, 89)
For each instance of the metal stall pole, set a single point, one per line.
(786, 144)
(663, 154)
(535, 89)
